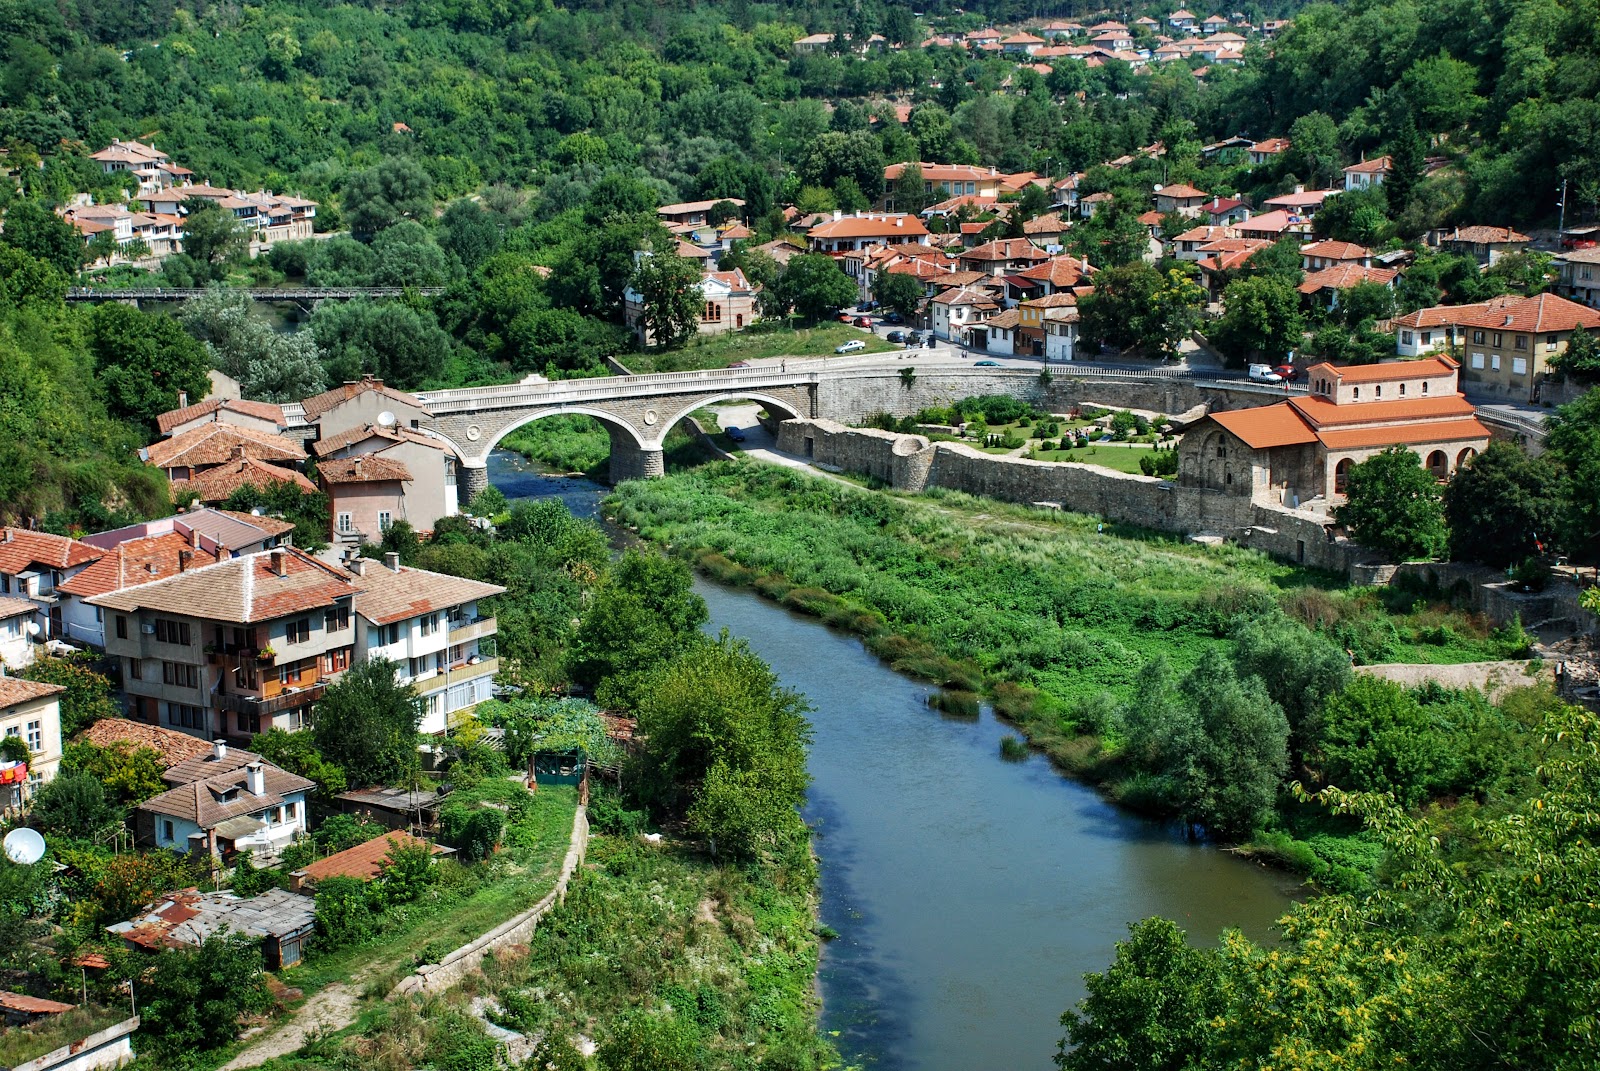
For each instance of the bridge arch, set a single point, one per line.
(613, 424)
(774, 405)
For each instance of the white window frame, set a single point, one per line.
(346, 524)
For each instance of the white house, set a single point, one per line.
(226, 801)
(17, 629)
(30, 711)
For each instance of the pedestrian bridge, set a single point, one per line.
(301, 294)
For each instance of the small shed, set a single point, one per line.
(281, 919)
(559, 767)
(363, 862)
(20, 1009)
(416, 810)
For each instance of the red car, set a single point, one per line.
(1288, 371)
(863, 321)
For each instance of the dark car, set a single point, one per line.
(863, 321)
(913, 338)
(986, 364)
(735, 434)
(894, 318)
(896, 336)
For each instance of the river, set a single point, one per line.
(970, 894)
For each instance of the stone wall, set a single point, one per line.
(913, 463)
(108, 1048)
(451, 969)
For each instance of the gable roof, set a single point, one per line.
(1484, 236)
(1371, 167)
(384, 595)
(365, 861)
(173, 747)
(261, 410)
(895, 224)
(1322, 413)
(137, 561)
(21, 548)
(363, 432)
(362, 468)
(1387, 371)
(14, 690)
(242, 590)
(1344, 276)
(1544, 312)
(1181, 192)
(1268, 426)
(1330, 250)
(315, 407)
(1005, 249)
(213, 444)
(219, 482)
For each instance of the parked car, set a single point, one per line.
(1263, 373)
(986, 364)
(1289, 372)
(896, 336)
(894, 318)
(863, 321)
(740, 364)
(735, 434)
(846, 317)
(853, 346)
(914, 338)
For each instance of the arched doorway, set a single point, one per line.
(1439, 465)
(1341, 475)
(1465, 456)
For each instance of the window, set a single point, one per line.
(449, 472)
(1427, 337)
(1402, 390)
(1378, 390)
(122, 627)
(136, 669)
(1477, 338)
(35, 735)
(166, 830)
(1494, 362)
(291, 811)
(430, 624)
(185, 716)
(297, 631)
(1356, 394)
(712, 313)
(391, 633)
(1519, 366)
(1550, 343)
(1522, 342)
(180, 674)
(250, 723)
(5, 584)
(244, 676)
(172, 631)
(336, 620)
(419, 666)
(345, 524)
(1499, 340)
(299, 719)
(1477, 360)
(384, 520)
(1405, 338)
(1424, 386)
(336, 661)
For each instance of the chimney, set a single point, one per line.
(278, 566)
(183, 399)
(358, 566)
(194, 537)
(255, 779)
(238, 450)
(219, 749)
(391, 560)
(184, 558)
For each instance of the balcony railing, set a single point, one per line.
(286, 700)
(464, 630)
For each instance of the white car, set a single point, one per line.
(851, 347)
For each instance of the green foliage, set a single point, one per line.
(1260, 316)
(814, 287)
(669, 286)
(145, 361)
(1377, 738)
(127, 774)
(269, 366)
(489, 502)
(1148, 1011)
(652, 1043)
(88, 696)
(33, 229)
(1299, 668)
(297, 752)
(192, 998)
(367, 724)
(344, 913)
(898, 291)
(1574, 443)
(388, 339)
(308, 511)
(474, 831)
(533, 724)
(213, 241)
(1393, 504)
(642, 614)
(73, 803)
(1139, 307)
(1580, 360)
(1501, 504)
(399, 188)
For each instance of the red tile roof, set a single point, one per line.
(1325, 414)
(213, 444)
(1484, 236)
(891, 225)
(174, 417)
(315, 407)
(1370, 167)
(1346, 276)
(1448, 431)
(1387, 371)
(21, 548)
(1267, 426)
(363, 468)
(1329, 250)
(241, 591)
(365, 861)
(1546, 312)
(14, 690)
(173, 747)
(137, 561)
(218, 483)
(20, 1002)
(1180, 191)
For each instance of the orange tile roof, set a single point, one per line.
(241, 591)
(363, 468)
(384, 596)
(1330, 250)
(1271, 146)
(1181, 192)
(1484, 236)
(1322, 413)
(32, 1005)
(1267, 426)
(315, 407)
(899, 224)
(363, 432)
(365, 861)
(1387, 371)
(14, 690)
(213, 444)
(137, 561)
(218, 483)
(173, 747)
(1006, 249)
(174, 417)
(1447, 431)
(20, 548)
(1546, 312)
(1370, 167)
(1346, 276)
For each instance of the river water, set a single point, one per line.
(970, 893)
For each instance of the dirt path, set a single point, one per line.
(1496, 678)
(333, 1008)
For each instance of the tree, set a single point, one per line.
(212, 238)
(652, 1043)
(389, 339)
(145, 361)
(269, 367)
(643, 613)
(1502, 505)
(1150, 1010)
(1136, 306)
(1573, 441)
(670, 288)
(1393, 504)
(899, 291)
(192, 998)
(1407, 159)
(73, 804)
(1242, 752)
(813, 286)
(834, 156)
(1314, 148)
(1377, 738)
(366, 724)
(1358, 216)
(297, 753)
(1443, 90)
(88, 696)
(398, 188)
(128, 774)
(1299, 668)
(43, 235)
(469, 233)
(1260, 316)
(1580, 361)
(910, 195)
(308, 511)
(406, 255)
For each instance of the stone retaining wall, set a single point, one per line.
(913, 463)
(451, 969)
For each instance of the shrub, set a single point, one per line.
(1013, 748)
(473, 831)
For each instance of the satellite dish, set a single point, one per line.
(24, 845)
(31, 628)
(386, 418)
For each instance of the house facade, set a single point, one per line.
(34, 564)
(358, 467)
(225, 802)
(1506, 344)
(1580, 276)
(31, 712)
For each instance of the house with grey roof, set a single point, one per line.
(226, 801)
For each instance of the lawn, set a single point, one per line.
(756, 343)
(21, 1044)
(1106, 455)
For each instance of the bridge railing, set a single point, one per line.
(257, 293)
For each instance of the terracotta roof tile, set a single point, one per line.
(1321, 413)
(219, 482)
(362, 468)
(1448, 431)
(241, 590)
(384, 596)
(1181, 192)
(890, 225)
(1546, 312)
(1388, 371)
(15, 607)
(20, 1002)
(213, 444)
(1370, 167)
(137, 561)
(315, 407)
(1329, 250)
(173, 747)
(361, 433)
(1267, 426)
(21, 548)
(364, 861)
(174, 417)
(1345, 276)
(210, 801)
(1484, 236)
(14, 690)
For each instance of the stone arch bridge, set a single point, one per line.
(637, 411)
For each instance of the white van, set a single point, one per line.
(1263, 373)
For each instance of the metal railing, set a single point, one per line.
(256, 293)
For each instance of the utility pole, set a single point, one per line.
(1562, 204)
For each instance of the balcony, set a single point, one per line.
(244, 703)
(461, 632)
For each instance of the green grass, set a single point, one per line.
(756, 343)
(510, 882)
(20, 1044)
(563, 443)
(1105, 455)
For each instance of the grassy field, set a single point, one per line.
(18, 1045)
(755, 343)
(1107, 456)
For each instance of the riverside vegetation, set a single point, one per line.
(1192, 682)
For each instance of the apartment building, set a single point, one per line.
(234, 648)
(1506, 343)
(430, 626)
